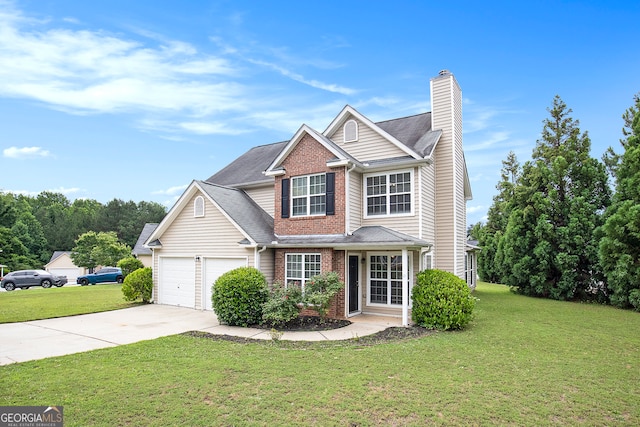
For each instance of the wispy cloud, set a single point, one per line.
(25, 152)
(172, 191)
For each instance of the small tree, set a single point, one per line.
(238, 296)
(129, 265)
(441, 300)
(93, 249)
(138, 284)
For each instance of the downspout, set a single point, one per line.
(256, 256)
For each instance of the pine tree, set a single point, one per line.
(619, 249)
(549, 248)
(491, 233)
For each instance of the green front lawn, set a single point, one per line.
(38, 303)
(523, 361)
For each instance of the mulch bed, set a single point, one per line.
(314, 323)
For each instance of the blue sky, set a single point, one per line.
(135, 99)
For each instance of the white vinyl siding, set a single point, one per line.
(370, 146)
(264, 197)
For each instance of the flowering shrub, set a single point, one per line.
(319, 290)
(283, 305)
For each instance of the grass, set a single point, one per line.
(39, 303)
(523, 361)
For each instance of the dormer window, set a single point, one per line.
(198, 207)
(351, 131)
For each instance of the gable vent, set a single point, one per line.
(351, 131)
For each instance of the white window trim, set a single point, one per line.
(302, 280)
(197, 214)
(388, 254)
(308, 196)
(388, 214)
(344, 131)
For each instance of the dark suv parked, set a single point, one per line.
(28, 278)
(106, 274)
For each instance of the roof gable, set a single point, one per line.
(250, 219)
(350, 112)
(139, 248)
(341, 156)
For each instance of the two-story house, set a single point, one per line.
(374, 202)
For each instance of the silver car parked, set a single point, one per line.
(28, 278)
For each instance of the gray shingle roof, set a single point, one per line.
(139, 248)
(413, 131)
(364, 236)
(243, 210)
(248, 168)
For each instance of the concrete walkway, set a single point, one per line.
(40, 339)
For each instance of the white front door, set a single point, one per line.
(214, 268)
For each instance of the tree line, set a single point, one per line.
(32, 228)
(565, 225)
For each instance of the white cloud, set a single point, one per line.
(172, 191)
(25, 152)
(474, 209)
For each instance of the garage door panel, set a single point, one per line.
(177, 281)
(214, 268)
(71, 273)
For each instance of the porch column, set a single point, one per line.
(405, 287)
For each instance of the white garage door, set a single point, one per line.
(214, 268)
(72, 273)
(177, 282)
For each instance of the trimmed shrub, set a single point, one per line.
(138, 284)
(238, 296)
(319, 291)
(129, 264)
(282, 306)
(441, 300)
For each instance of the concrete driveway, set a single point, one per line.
(39, 339)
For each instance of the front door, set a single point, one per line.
(354, 276)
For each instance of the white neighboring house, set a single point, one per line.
(140, 251)
(61, 264)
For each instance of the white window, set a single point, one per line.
(301, 267)
(198, 207)
(350, 131)
(388, 194)
(427, 261)
(308, 195)
(385, 279)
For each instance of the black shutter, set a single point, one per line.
(284, 203)
(330, 182)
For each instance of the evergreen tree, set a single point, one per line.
(491, 233)
(550, 248)
(619, 249)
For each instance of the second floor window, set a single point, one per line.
(388, 194)
(308, 195)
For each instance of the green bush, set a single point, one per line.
(238, 296)
(129, 264)
(319, 290)
(282, 306)
(441, 300)
(138, 284)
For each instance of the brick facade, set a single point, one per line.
(331, 260)
(310, 157)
